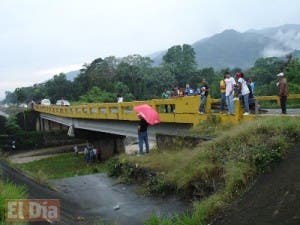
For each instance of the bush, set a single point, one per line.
(9, 191)
(220, 169)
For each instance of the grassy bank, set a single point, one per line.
(60, 166)
(9, 191)
(215, 172)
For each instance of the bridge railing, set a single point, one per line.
(185, 109)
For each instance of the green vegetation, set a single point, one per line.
(10, 191)
(215, 172)
(60, 166)
(136, 78)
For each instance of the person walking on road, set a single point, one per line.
(282, 91)
(143, 135)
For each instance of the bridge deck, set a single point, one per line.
(185, 110)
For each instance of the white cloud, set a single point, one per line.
(11, 86)
(36, 35)
(56, 70)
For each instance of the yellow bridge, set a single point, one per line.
(185, 110)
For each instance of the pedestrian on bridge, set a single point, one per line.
(282, 91)
(166, 95)
(223, 94)
(203, 93)
(230, 84)
(244, 91)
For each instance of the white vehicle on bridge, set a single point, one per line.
(63, 102)
(45, 102)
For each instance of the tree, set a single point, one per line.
(265, 70)
(20, 95)
(96, 95)
(180, 60)
(123, 90)
(11, 126)
(10, 97)
(292, 72)
(59, 87)
(2, 124)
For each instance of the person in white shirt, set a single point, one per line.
(230, 83)
(244, 91)
(119, 98)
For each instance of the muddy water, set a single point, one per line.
(100, 197)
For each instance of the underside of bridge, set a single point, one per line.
(109, 143)
(115, 127)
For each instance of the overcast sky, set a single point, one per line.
(40, 38)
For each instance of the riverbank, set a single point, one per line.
(216, 172)
(97, 198)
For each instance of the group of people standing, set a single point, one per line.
(238, 88)
(187, 91)
(232, 90)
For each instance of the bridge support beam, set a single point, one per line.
(45, 125)
(110, 144)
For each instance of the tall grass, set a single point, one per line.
(60, 166)
(10, 191)
(221, 168)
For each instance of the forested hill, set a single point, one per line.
(234, 49)
(136, 77)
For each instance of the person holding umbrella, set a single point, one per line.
(147, 116)
(143, 134)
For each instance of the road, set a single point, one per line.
(278, 111)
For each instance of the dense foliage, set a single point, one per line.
(135, 78)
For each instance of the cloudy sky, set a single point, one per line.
(40, 38)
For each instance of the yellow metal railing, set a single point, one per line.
(185, 110)
(276, 98)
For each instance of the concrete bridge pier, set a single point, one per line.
(45, 125)
(110, 144)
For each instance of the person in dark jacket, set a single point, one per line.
(143, 134)
(282, 91)
(203, 93)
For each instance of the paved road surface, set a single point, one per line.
(278, 111)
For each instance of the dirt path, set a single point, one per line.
(31, 155)
(273, 200)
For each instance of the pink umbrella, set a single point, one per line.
(148, 113)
